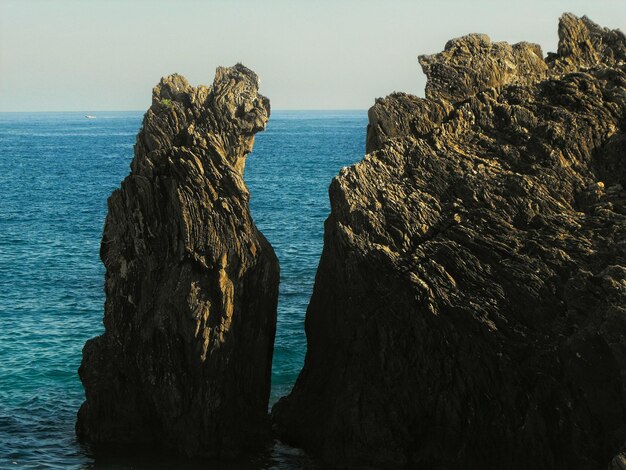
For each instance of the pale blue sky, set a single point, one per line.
(58, 55)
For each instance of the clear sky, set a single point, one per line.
(90, 55)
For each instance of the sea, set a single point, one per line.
(56, 173)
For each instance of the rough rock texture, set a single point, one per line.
(469, 309)
(619, 461)
(191, 284)
(472, 63)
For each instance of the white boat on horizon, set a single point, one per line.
(89, 116)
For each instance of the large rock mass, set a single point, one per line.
(469, 309)
(191, 284)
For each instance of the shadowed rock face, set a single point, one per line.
(469, 308)
(191, 284)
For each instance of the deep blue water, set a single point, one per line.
(56, 172)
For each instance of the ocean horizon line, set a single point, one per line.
(310, 110)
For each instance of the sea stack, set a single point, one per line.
(469, 309)
(191, 285)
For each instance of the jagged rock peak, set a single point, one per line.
(473, 63)
(227, 114)
(584, 44)
(191, 285)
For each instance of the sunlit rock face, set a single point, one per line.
(191, 284)
(469, 308)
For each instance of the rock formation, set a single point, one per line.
(191, 284)
(469, 308)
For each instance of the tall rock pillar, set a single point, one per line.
(191, 284)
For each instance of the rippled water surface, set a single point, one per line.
(56, 172)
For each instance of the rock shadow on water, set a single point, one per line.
(275, 456)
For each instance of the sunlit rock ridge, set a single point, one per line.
(469, 309)
(191, 285)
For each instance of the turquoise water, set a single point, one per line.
(56, 172)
